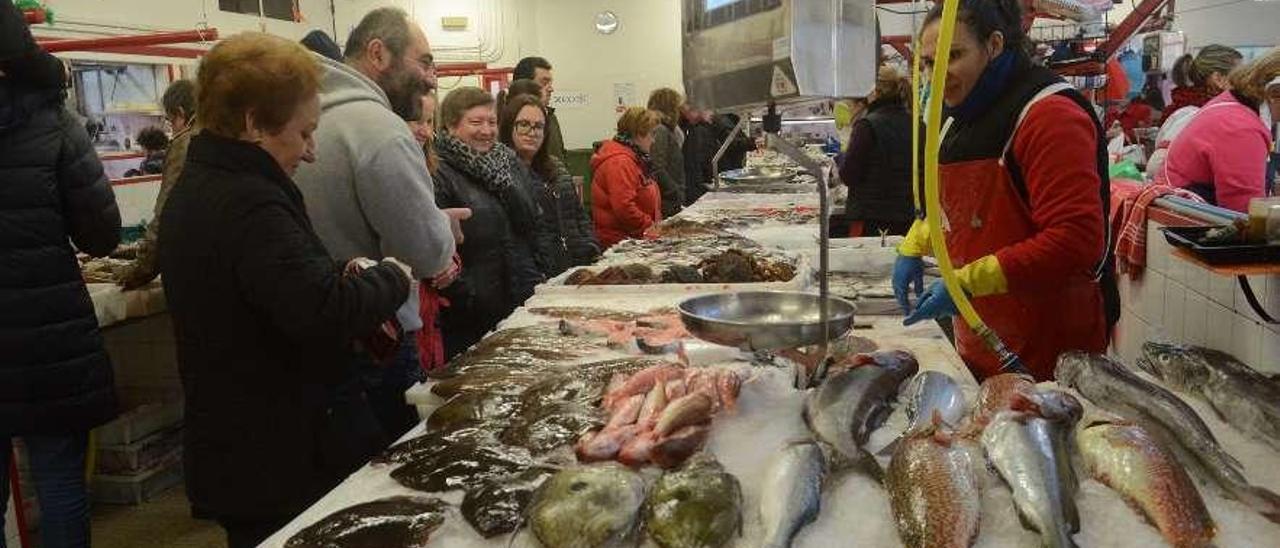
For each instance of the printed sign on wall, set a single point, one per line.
(570, 99)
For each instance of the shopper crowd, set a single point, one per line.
(334, 230)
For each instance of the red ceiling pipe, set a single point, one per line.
(101, 44)
(477, 72)
(461, 66)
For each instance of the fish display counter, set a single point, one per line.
(594, 419)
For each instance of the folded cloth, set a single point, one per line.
(1131, 246)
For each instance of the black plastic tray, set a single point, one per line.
(1188, 237)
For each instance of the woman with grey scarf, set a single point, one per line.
(499, 266)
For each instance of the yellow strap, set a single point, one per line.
(916, 243)
(983, 277)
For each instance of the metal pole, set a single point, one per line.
(715, 160)
(819, 172)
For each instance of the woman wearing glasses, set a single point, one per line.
(564, 237)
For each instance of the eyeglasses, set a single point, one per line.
(526, 127)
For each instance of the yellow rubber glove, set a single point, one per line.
(983, 277)
(916, 243)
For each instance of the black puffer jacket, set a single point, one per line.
(55, 376)
(499, 265)
(565, 235)
(265, 321)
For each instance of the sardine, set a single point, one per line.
(792, 492)
(588, 507)
(1124, 457)
(1166, 417)
(392, 521)
(697, 506)
(934, 490)
(1029, 447)
(849, 405)
(1243, 397)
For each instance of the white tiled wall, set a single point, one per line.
(1177, 301)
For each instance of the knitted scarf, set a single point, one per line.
(492, 168)
(495, 171)
(646, 161)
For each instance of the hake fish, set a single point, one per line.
(588, 507)
(1030, 449)
(1166, 417)
(934, 490)
(1243, 397)
(1124, 457)
(393, 521)
(792, 493)
(697, 506)
(849, 405)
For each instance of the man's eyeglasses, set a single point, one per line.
(526, 127)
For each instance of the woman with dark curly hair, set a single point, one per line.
(154, 142)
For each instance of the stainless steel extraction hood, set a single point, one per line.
(741, 54)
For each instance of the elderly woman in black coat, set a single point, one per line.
(264, 318)
(499, 264)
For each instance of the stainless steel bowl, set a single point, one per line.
(758, 175)
(764, 320)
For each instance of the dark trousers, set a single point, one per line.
(385, 384)
(57, 467)
(243, 533)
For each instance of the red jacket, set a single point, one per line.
(624, 202)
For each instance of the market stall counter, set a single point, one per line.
(594, 418)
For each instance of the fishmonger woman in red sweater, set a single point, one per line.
(625, 200)
(1024, 187)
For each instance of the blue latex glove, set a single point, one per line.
(936, 303)
(907, 270)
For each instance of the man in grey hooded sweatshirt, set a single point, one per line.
(369, 193)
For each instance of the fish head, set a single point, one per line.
(1173, 363)
(1053, 405)
(1071, 367)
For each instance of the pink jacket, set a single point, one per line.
(1225, 146)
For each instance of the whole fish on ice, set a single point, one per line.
(1124, 457)
(1243, 397)
(1166, 417)
(931, 392)
(851, 404)
(1030, 448)
(792, 492)
(934, 490)
(698, 505)
(393, 521)
(588, 507)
